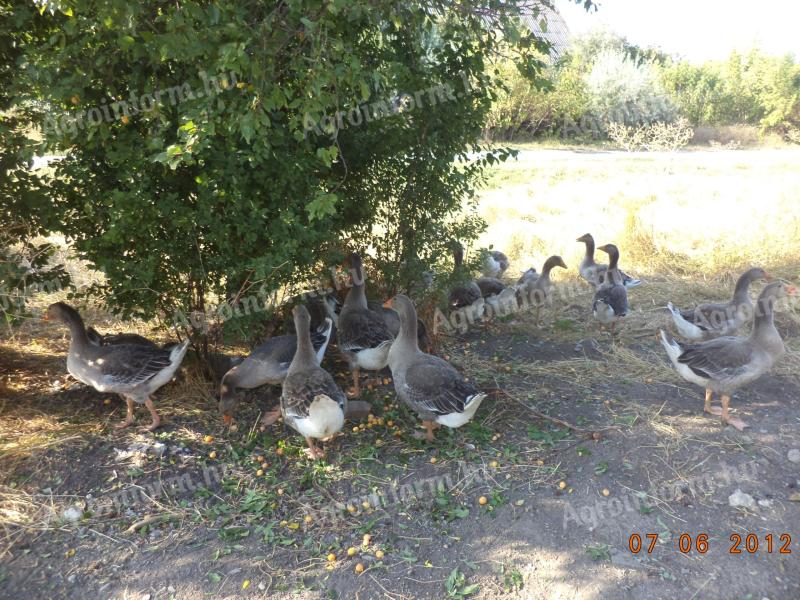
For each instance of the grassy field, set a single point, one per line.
(585, 440)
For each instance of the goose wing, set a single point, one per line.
(129, 365)
(300, 389)
(615, 296)
(719, 359)
(362, 329)
(433, 385)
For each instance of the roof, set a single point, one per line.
(545, 21)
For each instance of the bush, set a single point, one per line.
(626, 92)
(655, 137)
(536, 108)
(266, 141)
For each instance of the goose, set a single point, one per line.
(311, 402)
(110, 339)
(610, 301)
(724, 364)
(134, 371)
(267, 364)
(713, 320)
(495, 264)
(426, 383)
(530, 275)
(363, 337)
(467, 296)
(593, 272)
(536, 291)
(392, 321)
(502, 304)
(490, 286)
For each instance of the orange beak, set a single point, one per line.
(388, 303)
(791, 290)
(227, 419)
(46, 317)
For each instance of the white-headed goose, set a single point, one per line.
(496, 264)
(610, 301)
(713, 320)
(134, 371)
(595, 273)
(268, 363)
(428, 384)
(311, 402)
(727, 363)
(363, 337)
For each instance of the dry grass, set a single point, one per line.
(690, 215)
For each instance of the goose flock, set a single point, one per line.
(371, 337)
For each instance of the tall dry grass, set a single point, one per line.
(688, 215)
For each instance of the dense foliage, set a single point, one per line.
(24, 264)
(603, 79)
(218, 151)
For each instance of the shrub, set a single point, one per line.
(269, 140)
(665, 137)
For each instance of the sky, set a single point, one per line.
(698, 30)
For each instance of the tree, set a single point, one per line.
(24, 266)
(219, 150)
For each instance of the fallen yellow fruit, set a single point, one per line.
(351, 551)
(359, 568)
(367, 539)
(433, 460)
(245, 584)
(606, 492)
(494, 464)
(260, 473)
(562, 485)
(212, 455)
(379, 554)
(331, 557)
(208, 439)
(483, 500)
(309, 519)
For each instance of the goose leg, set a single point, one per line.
(128, 418)
(728, 420)
(270, 417)
(314, 451)
(356, 391)
(156, 419)
(429, 427)
(712, 410)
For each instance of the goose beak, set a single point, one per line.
(46, 317)
(791, 290)
(227, 419)
(388, 303)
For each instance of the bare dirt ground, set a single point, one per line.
(625, 436)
